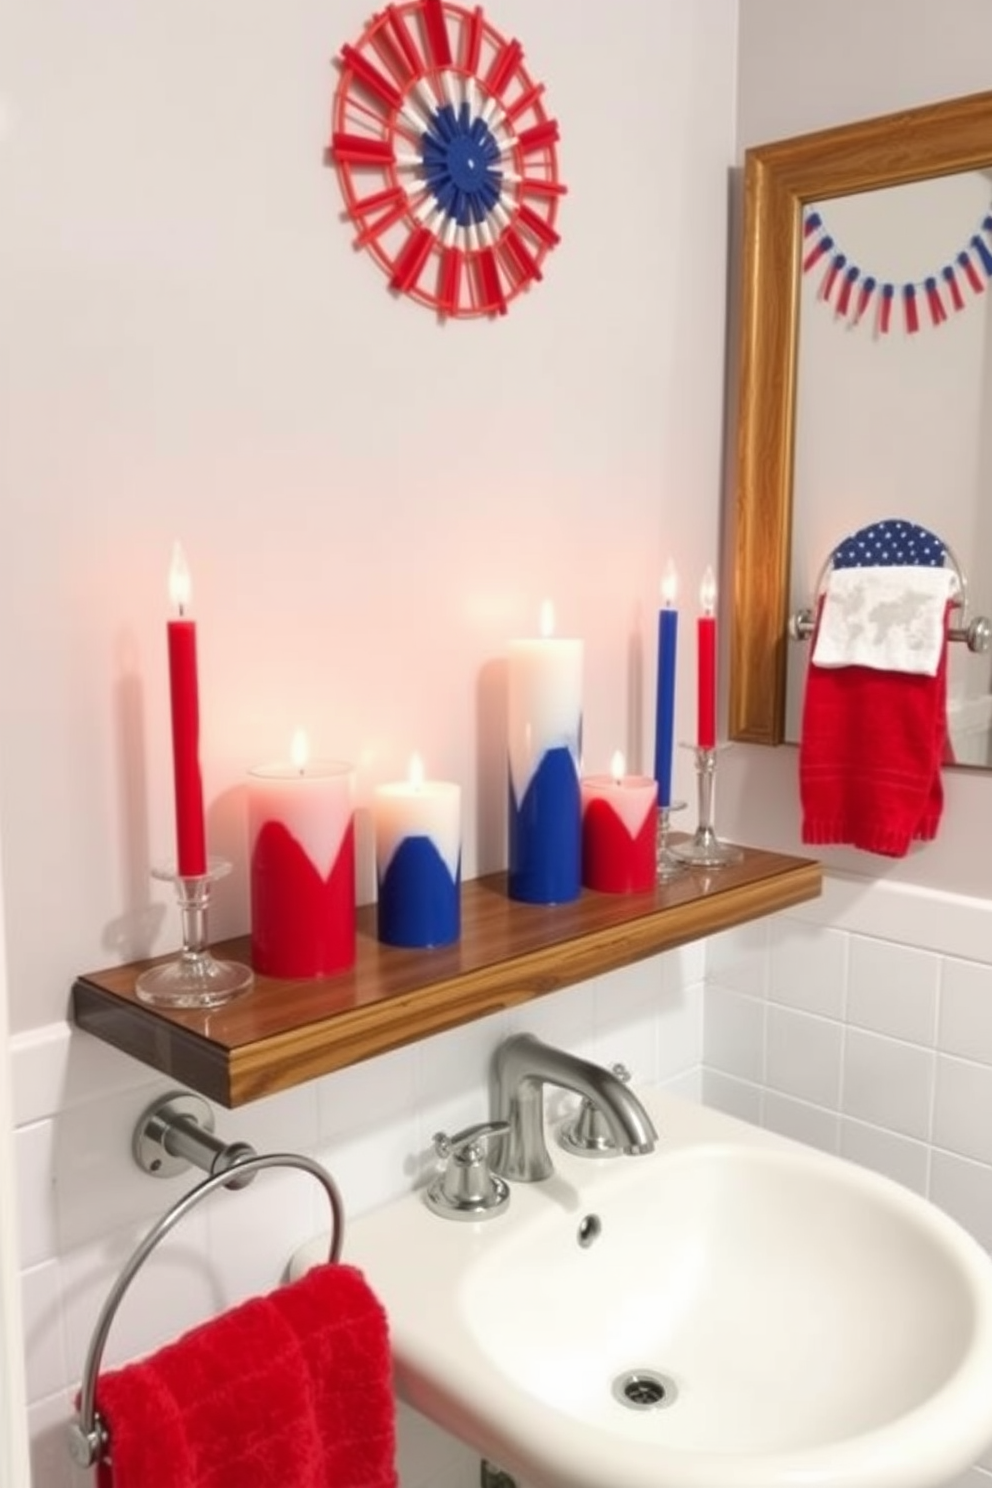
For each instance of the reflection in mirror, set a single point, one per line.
(872, 426)
(889, 421)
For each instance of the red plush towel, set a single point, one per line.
(870, 754)
(292, 1390)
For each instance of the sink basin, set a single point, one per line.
(733, 1309)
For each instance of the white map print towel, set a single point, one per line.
(890, 618)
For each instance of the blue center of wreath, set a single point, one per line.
(461, 164)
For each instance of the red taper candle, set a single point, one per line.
(191, 840)
(706, 661)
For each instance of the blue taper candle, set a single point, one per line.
(664, 732)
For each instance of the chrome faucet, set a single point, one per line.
(521, 1067)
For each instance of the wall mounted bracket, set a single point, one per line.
(177, 1130)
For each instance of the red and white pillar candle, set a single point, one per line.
(301, 841)
(619, 830)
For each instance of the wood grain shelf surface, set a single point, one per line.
(284, 1033)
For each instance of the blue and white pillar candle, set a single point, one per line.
(544, 734)
(418, 860)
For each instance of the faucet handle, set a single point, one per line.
(587, 1134)
(468, 1144)
(467, 1188)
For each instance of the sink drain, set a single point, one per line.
(645, 1389)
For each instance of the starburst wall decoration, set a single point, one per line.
(446, 157)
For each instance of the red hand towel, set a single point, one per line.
(292, 1390)
(870, 753)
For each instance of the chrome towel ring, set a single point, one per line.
(89, 1438)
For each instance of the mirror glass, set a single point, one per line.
(889, 421)
(841, 422)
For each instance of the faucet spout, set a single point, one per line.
(521, 1067)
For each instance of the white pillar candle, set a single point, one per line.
(544, 728)
(418, 859)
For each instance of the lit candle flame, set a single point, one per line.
(707, 593)
(299, 751)
(180, 583)
(669, 585)
(416, 774)
(547, 619)
(618, 766)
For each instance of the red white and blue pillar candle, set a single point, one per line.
(619, 831)
(418, 860)
(664, 729)
(706, 663)
(301, 841)
(544, 731)
(184, 700)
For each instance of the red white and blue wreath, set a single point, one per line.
(446, 157)
(856, 294)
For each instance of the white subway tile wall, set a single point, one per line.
(84, 1205)
(862, 1024)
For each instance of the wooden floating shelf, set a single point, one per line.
(284, 1033)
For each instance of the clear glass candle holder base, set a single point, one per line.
(704, 849)
(196, 978)
(667, 865)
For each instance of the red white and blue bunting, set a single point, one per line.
(446, 157)
(857, 296)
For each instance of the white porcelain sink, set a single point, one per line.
(809, 1322)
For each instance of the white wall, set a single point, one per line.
(798, 71)
(13, 1396)
(371, 505)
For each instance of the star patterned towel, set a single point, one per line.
(874, 731)
(890, 618)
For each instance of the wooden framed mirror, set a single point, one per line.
(780, 179)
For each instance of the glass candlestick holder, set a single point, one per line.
(195, 979)
(704, 848)
(666, 863)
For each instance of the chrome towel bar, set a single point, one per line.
(173, 1132)
(976, 634)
